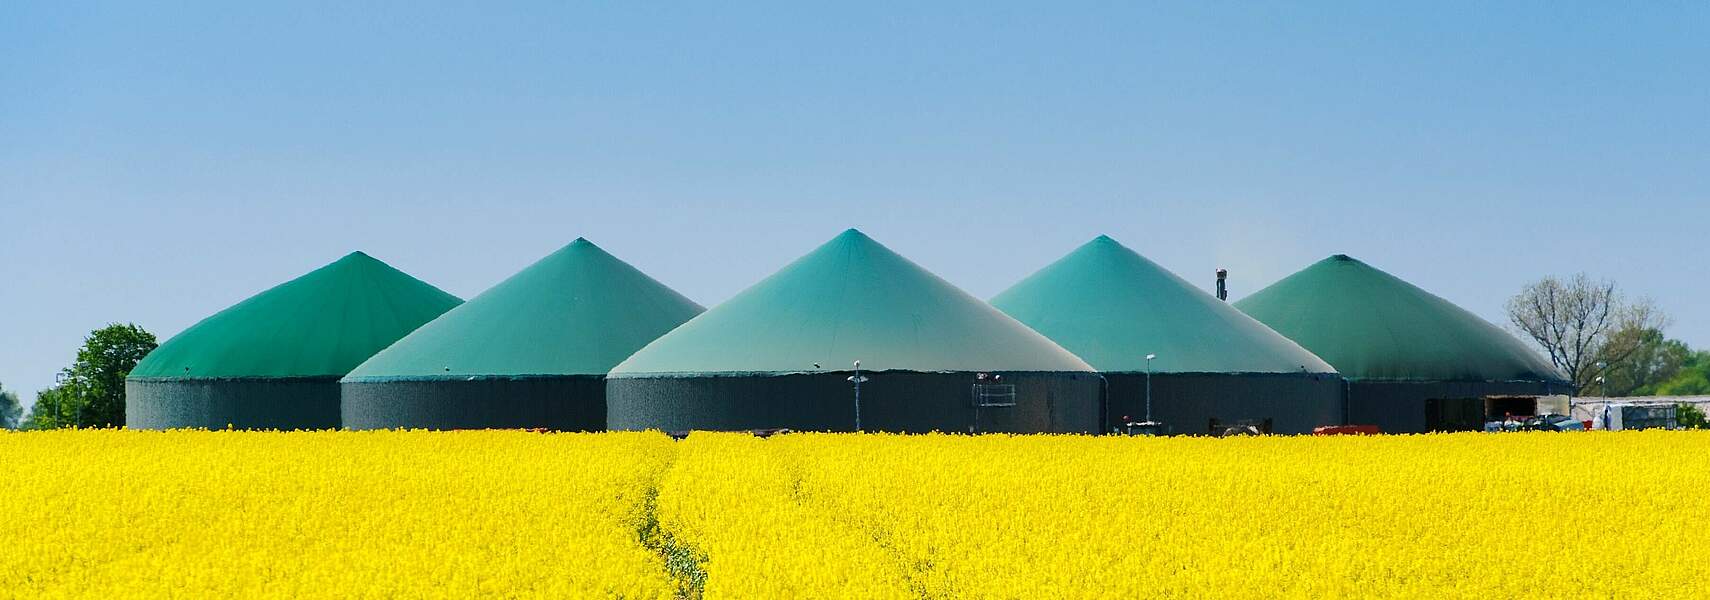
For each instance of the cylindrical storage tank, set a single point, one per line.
(1414, 361)
(1207, 403)
(1211, 366)
(274, 360)
(891, 400)
(782, 354)
(532, 352)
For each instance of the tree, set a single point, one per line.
(10, 411)
(1693, 379)
(1654, 359)
(1690, 417)
(50, 410)
(91, 392)
(1574, 322)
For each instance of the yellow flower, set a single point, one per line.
(196, 514)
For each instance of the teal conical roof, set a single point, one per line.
(321, 324)
(1112, 307)
(578, 311)
(1372, 326)
(850, 299)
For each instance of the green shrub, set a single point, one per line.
(1690, 417)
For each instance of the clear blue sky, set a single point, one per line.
(158, 163)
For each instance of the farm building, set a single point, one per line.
(1214, 366)
(274, 360)
(781, 355)
(1414, 362)
(532, 352)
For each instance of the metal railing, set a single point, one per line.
(994, 394)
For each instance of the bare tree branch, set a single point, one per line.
(1575, 323)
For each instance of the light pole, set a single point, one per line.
(1602, 384)
(857, 379)
(1149, 358)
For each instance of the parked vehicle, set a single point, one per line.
(1553, 423)
(1544, 422)
(1506, 424)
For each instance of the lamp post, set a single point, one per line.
(857, 379)
(1602, 384)
(1149, 358)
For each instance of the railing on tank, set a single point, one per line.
(988, 395)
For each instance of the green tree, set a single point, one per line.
(1637, 360)
(1690, 417)
(91, 392)
(1693, 378)
(10, 411)
(50, 410)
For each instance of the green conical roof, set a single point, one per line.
(850, 299)
(579, 311)
(1371, 325)
(321, 324)
(1112, 307)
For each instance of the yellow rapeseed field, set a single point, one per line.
(1542, 515)
(190, 514)
(460, 514)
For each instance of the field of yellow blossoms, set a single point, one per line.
(460, 514)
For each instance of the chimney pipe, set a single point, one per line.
(1222, 289)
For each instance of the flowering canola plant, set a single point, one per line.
(197, 514)
(636, 515)
(1542, 515)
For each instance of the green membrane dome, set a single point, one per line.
(322, 324)
(1112, 307)
(1373, 326)
(850, 299)
(578, 311)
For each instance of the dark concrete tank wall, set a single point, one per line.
(269, 403)
(890, 401)
(1403, 407)
(560, 403)
(1186, 402)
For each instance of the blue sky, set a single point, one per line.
(158, 163)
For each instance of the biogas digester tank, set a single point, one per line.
(1414, 362)
(780, 354)
(1213, 365)
(274, 360)
(532, 352)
